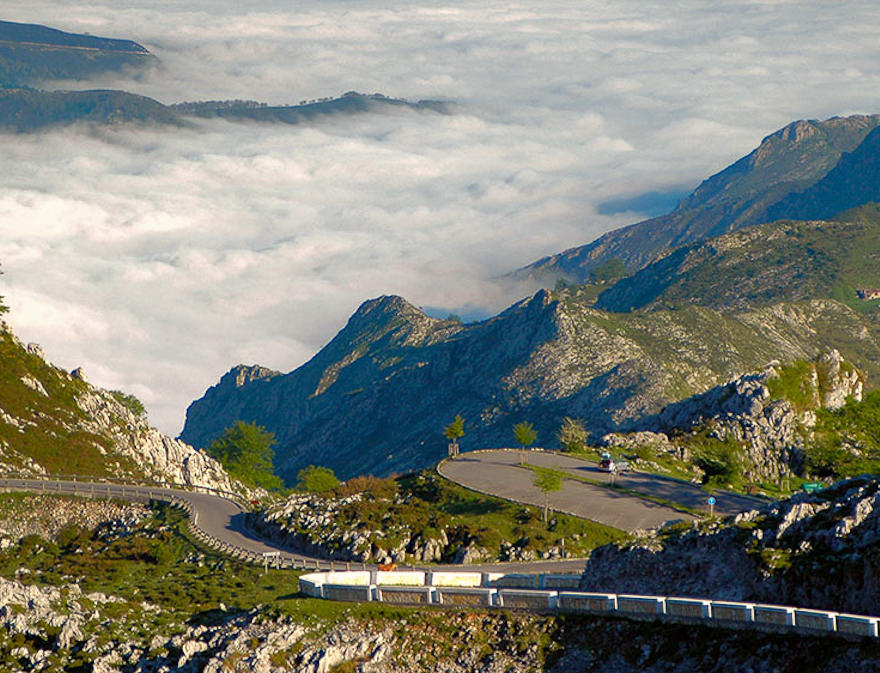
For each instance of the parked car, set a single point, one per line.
(611, 464)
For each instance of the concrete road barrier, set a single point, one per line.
(647, 606)
(814, 620)
(520, 599)
(857, 625)
(347, 592)
(405, 595)
(511, 580)
(578, 601)
(733, 612)
(559, 581)
(466, 596)
(776, 615)
(688, 608)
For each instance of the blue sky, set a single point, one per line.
(157, 259)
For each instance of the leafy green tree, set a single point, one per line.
(525, 436)
(453, 432)
(245, 450)
(316, 479)
(572, 435)
(548, 481)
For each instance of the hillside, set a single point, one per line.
(758, 188)
(30, 54)
(758, 266)
(55, 422)
(25, 110)
(376, 398)
(808, 419)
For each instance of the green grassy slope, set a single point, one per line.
(759, 266)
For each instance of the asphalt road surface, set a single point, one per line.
(224, 520)
(498, 473)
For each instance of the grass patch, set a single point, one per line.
(158, 562)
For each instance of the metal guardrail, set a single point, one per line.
(155, 491)
(148, 483)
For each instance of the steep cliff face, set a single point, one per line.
(55, 422)
(787, 162)
(810, 550)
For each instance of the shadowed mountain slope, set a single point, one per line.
(753, 190)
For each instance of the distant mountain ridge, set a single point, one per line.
(757, 266)
(27, 110)
(31, 53)
(35, 34)
(762, 186)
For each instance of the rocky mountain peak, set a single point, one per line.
(798, 131)
(241, 375)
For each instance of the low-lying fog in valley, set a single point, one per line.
(157, 258)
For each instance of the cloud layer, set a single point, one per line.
(159, 258)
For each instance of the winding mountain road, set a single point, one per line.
(498, 472)
(221, 522)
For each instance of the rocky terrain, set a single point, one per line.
(762, 186)
(814, 550)
(423, 518)
(47, 516)
(53, 421)
(55, 621)
(767, 417)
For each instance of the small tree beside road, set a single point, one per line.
(572, 435)
(548, 481)
(525, 436)
(453, 432)
(316, 479)
(245, 450)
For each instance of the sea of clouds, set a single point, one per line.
(158, 258)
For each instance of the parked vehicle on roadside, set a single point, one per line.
(609, 463)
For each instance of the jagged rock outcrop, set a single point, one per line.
(52, 421)
(814, 550)
(163, 458)
(770, 430)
